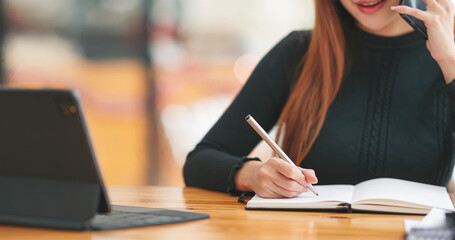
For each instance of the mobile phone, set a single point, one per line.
(418, 25)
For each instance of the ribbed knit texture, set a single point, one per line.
(374, 136)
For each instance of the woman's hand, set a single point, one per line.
(439, 21)
(274, 179)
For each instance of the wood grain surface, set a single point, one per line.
(228, 220)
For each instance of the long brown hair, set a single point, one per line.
(323, 67)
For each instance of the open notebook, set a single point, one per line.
(377, 195)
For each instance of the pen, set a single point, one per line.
(255, 125)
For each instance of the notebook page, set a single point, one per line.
(328, 195)
(401, 190)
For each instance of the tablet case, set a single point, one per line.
(48, 172)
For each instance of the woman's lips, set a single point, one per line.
(370, 7)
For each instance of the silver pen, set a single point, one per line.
(255, 125)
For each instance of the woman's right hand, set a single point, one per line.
(274, 178)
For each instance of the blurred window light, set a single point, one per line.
(184, 125)
(202, 52)
(97, 48)
(205, 50)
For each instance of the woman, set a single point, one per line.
(361, 96)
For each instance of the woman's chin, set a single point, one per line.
(372, 27)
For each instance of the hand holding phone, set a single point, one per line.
(418, 25)
(439, 21)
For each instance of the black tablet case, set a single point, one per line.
(48, 172)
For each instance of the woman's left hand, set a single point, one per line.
(439, 21)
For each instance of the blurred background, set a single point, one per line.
(153, 75)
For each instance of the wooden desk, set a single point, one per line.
(229, 220)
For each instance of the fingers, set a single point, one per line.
(284, 192)
(419, 14)
(440, 7)
(271, 184)
(434, 5)
(447, 5)
(310, 175)
(288, 171)
(276, 192)
(277, 178)
(289, 184)
(267, 193)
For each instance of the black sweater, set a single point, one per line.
(388, 120)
